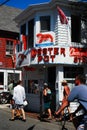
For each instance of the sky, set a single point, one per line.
(23, 4)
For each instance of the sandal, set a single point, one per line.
(24, 120)
(11, 119)
(59, 119)
(49, 118)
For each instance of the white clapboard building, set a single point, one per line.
(52, 48)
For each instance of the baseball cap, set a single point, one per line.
(45, 84)
(64, 81)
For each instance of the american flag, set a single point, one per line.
(62, 16)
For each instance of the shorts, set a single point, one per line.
(47, 105)
(17, 106)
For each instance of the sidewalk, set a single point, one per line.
(34, 115)
(68, 125)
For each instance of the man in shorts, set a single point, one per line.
(18, 98)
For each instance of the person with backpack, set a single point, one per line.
(47, 100)
(65, 103)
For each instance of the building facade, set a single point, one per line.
(53, 47)
(9, 35)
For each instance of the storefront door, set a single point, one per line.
(51, 71)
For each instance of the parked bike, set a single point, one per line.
(4, 97)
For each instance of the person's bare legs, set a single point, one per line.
(12, 115)
(23, 113)
(71, 117)
(50, 115)
(60, 110)
(62, 107)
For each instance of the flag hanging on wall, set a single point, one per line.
(62, 16)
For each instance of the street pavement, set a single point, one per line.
(31, 123)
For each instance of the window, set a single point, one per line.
(30, 33)
(9, 47)
(72, 72)
(83, 31)
(75, 28)
(33, 86)
(23, 29)
(1, 78)
(19, 47)
(13, 76)
(44, 23)
(23, 32)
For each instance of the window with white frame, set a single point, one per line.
(33, 86)
(13, 76)
(70, 73)
(44, 23)
(9, 47)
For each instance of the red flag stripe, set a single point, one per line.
(62, 16)
(24, 39)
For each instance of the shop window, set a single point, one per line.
(75, 28)
(72, 72)
(44, 23)
(13, 76)
(9, 47)
(33, 86)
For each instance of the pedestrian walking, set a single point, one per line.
(65, 103)
(18, 98)
(47, 100)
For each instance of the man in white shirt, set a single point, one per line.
(19, 97)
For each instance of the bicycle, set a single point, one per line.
(63, 126)
(75, 119)
(65, 117)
